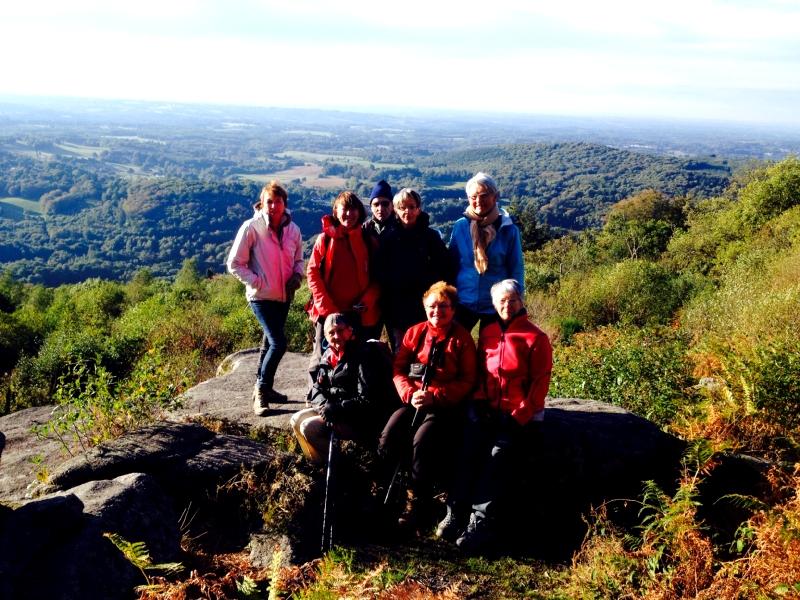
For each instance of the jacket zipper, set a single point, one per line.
(501, 370)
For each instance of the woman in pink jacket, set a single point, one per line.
(267, 257)
(514, 364)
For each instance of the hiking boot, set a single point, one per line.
(452, 525)
(416, 513)
(477, 536)
(260, 403)
(408, 518)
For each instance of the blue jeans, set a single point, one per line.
(271, 315)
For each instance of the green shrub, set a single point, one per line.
(92, 405)
(712, 224)
(772, 191)
(764, 376)
(757, 299)
(644, 371)
(635, 292)
(298, 326)
(16, 338)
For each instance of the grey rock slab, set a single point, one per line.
(54, 547)
(228, 396)
(179, 455)
(17, 468)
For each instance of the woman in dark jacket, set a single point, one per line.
(411, 258)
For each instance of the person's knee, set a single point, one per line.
(279, 345)
(296, 419)
(312, 428)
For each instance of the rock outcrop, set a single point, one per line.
(138, 485)
(55, 548)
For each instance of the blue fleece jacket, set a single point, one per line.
(505, 262)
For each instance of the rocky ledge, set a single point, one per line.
(199, 468)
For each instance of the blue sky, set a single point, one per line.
(688, 59)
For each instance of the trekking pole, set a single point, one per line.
(426, 379)
(399, 463)
(327, 509)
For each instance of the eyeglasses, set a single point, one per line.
(383, 203)
(481, 196)
(439, 305)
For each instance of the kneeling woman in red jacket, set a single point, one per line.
(432, 391)
(514, 364)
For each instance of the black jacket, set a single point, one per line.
(409, 261)
(378, 230)
(359, 389)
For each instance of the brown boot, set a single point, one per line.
(409, 517)
(417, 513)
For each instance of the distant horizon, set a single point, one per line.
(412, 111)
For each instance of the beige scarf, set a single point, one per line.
(483, 233)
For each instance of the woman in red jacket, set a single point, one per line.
(424, 426)
(339, 273)
(515, 360)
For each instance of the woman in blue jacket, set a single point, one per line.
(486, 246)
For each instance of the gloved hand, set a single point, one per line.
(329, 412)
(336, 393)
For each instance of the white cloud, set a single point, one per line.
(622, 57)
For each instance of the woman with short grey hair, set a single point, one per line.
(515, 360)
(487, 248)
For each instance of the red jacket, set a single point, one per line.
(515, 367)
(453, 380)
(353, 274)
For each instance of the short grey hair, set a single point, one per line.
(506, 286)
(334, 320)
(483, 180)
(406, 193)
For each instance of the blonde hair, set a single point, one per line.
(406, 193)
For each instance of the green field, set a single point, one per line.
(310, 174)
(310, 132)
(342, 159)
(84, 151)
(29, 205)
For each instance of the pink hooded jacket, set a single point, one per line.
(262, 261)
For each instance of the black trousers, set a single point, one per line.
(493, 454)
(428, 445)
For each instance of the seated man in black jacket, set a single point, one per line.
(352, 393)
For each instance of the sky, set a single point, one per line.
(736, 60)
